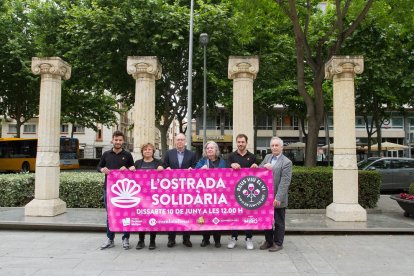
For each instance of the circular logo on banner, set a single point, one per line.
(251, 192)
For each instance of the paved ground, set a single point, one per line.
(78, 253)
(343, 252)
(386, 218)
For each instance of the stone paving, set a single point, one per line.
(77, 253)
(72, 247)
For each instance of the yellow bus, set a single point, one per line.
(19, 154)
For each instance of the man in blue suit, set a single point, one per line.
(281, 168)
(179, 158)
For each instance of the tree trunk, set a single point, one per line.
(163, 132)
(18, 128)
(311, 141)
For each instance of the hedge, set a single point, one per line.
(311, 188)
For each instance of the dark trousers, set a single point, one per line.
(109, 233)
(216, 236)
(172, 235)
(152, 236)
(277, 235)
(249, 234)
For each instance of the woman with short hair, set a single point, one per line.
(148, 162)
(211, 159)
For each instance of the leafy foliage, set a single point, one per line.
(18, 92)
(310, 188)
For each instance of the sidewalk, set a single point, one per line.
(386, 218)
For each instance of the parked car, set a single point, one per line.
(396, 173)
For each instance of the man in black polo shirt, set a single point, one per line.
(115, 159)
(241, 158)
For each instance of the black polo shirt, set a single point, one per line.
(115, 161)
(245, 161)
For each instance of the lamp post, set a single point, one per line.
(204, 42)
(190, 78)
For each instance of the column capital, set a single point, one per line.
(344, 64)
(241, 66)
(137, 65)
(51, 65)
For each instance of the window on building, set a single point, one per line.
(210, 123)
(98, 152)
(29, 128)
(411, 123)
(263, 122)
(78, 129)
(397, 122)
(359, 122)
(12, 128)
(99, 133)
(64, 128)
(228, 121)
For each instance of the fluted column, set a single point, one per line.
(243, 71)
(47, 201)
(145, 70)
(345, 207)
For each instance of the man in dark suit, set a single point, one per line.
(179, 158)
(281, 168)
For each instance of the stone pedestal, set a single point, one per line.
(243, 71)
(345, 207)
(145, 70)
(46, 201)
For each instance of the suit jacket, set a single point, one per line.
(171, 159)
(282, 175)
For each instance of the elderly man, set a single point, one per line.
(281, 168)
(179, 158)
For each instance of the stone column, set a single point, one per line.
(47, 201)
(345, 207)
(145, 70)
(243, 71)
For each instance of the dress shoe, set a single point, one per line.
(171, 243)
(217, 244)
(140, 245)
(152, 245)
(187, 243)
(275, 248)
(265, 245)
(204, 243)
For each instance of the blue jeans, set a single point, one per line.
(109, 233)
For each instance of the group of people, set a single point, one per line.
(182, 158)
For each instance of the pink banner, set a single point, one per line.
(190, 200)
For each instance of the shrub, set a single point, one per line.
(16, 189)
(77, 189)
(311, 188)
(411, 189)
(82, 189)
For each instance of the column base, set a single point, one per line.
(45, 207)
(346, 212)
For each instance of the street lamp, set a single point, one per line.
(204, 42)
(190, 78)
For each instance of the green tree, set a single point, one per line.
(385, 41)
(88, 109)
(19, 89)
(319, 34)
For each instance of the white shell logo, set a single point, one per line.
(125, 189)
